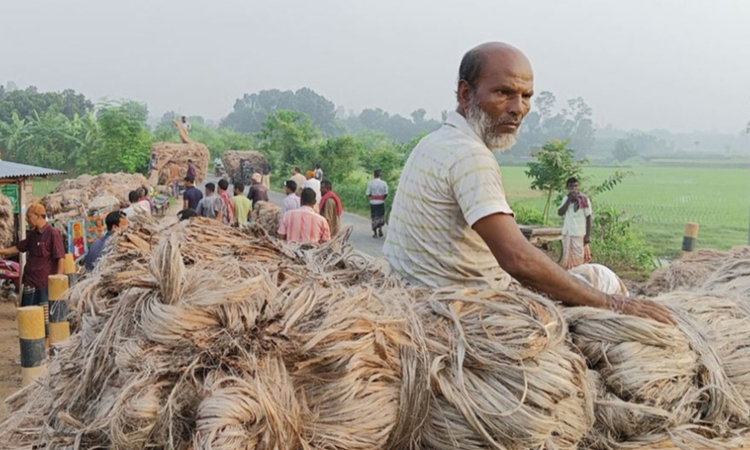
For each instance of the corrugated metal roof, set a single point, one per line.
(15, 170)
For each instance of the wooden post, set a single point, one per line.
(59, 328)
(690, 236)
(31, 337)
(21, 230)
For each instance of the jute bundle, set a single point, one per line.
(731, 277)
(173, 354)
(232, 159)
(66, 201)
(72, 194)
(7, 222)
(656, 382)
(168, 153)
(267, 215)
(502, 375)
(691, 271)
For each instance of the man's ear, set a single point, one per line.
(463, 94)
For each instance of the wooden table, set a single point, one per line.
(541, 237)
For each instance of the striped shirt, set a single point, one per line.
(305, 226)
(450, 181)
(290, 203)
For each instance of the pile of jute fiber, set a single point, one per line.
(197, 335)
(267, 215)
(169, 153)
(7, 222)
(232, 162)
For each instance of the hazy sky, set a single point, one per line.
(675, 64)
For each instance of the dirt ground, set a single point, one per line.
(10, 367)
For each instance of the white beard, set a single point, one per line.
(483, 126)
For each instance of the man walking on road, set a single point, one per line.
(303, 225)
(242, 205)
(192, 171)
(576, 208)
(291, 201)
(45, 256)
(228, 218)
(192, 196)
(298, 178)
(377, 192)
(451, 223)
(266, 174)
(313, 184)
(174, 179)
(331, 207)
(258, 191)
(211, 206)
(318, 173)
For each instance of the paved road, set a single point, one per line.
(361, 235)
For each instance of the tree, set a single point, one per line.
(624, 150)
(251, 110)
(289, 139)
(418, 116)
(388, 160)
(125, 141)
(26, 102)
(554, 164)
(341, 156)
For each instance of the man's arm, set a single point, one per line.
(535, 270)
(10, 251)
(587, 237)
(61, 266)
(185, 204)
(564, 208)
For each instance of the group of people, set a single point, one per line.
(311, 211)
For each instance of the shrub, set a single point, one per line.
(619, 246)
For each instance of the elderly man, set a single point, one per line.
(45, 256)
(450, 222)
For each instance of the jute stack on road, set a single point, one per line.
(7, 222)
(169, 153)
(294, 348)
(232, 159)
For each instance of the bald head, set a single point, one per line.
(494, 91)
(475, 59)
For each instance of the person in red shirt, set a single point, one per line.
(46, 256)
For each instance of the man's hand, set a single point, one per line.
(572, 196)
(536, 271)
(586, 252)
(641, 308)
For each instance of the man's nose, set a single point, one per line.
(515, 106)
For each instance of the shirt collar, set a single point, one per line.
(460, 123)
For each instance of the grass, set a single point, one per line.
(662, 199)
(42, 187)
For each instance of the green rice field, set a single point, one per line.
(662, 199)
